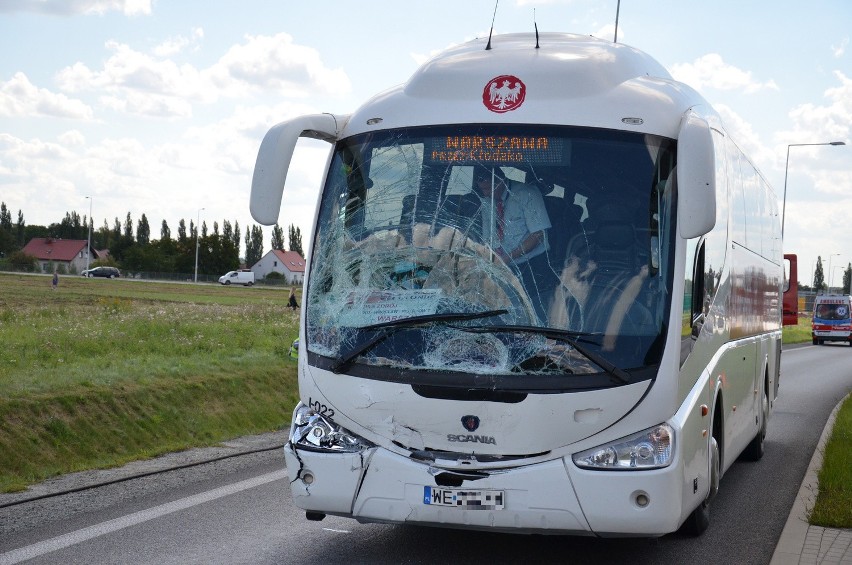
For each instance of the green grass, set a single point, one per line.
(800, 333)
(833, 506)
(101, 372)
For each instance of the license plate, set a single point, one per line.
(465, 499)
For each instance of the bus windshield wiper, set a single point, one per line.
(567, 336)
(385, 329)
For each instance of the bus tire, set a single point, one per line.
(698, 522)
(755, 449)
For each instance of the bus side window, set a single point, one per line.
(700, 296)
(693, 293)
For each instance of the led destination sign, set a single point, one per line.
(540, 150)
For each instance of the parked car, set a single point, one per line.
(108, 272)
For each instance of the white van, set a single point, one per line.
(237, 277)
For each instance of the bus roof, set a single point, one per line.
(568, 80)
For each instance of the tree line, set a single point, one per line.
(820, 283)
(131, 247)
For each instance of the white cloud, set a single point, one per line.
(710, 71)
(154, 85)
(75, 7)
(131, 70)
(72, 138)
(820, 176)
(743, 134)
(277, 64)
(839, 50)
(152, 105)
(20, 98)
(823, 122)
(136, 83)
(608, 32)
(175, 45)
(34, 173)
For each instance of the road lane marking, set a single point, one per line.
(85, 534)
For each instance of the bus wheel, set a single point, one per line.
(755, 449)
(699, 520)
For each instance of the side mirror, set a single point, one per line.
(696, 177)
(790, 316)
(273, 160)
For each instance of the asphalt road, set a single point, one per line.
(238, 510)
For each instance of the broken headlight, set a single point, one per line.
(648, 449)
(311, 430)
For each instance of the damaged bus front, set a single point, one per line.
(452, 375)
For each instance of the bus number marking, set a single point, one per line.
(320, 408)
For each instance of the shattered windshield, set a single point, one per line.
(493, 250)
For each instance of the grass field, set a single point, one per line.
(102, 372)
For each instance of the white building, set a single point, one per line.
(288, 263)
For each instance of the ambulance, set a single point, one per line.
(832, 319)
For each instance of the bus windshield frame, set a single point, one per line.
(406, 238)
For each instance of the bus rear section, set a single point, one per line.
(832, 319)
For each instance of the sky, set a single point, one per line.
(159, 106)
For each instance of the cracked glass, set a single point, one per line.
(526, 252)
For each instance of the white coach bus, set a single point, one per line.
(598, 381)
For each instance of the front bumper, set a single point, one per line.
(553, 496)
(832, 335)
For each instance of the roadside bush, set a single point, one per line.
(20, 261)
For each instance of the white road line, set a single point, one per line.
(67, 540)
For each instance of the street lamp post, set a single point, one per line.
(197, 228)
(786, 165)
(89, 240)
(831, 278)
(829, 270)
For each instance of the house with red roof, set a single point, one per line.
(288, 263)
(53, 253)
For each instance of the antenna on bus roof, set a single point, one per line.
(536, 29)
(488, 47)
(617, 9)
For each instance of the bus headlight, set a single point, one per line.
(648, 449)
(313, 431)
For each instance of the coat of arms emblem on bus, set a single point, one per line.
(470, 423)
(504, 93)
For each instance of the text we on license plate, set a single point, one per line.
(465, 499)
